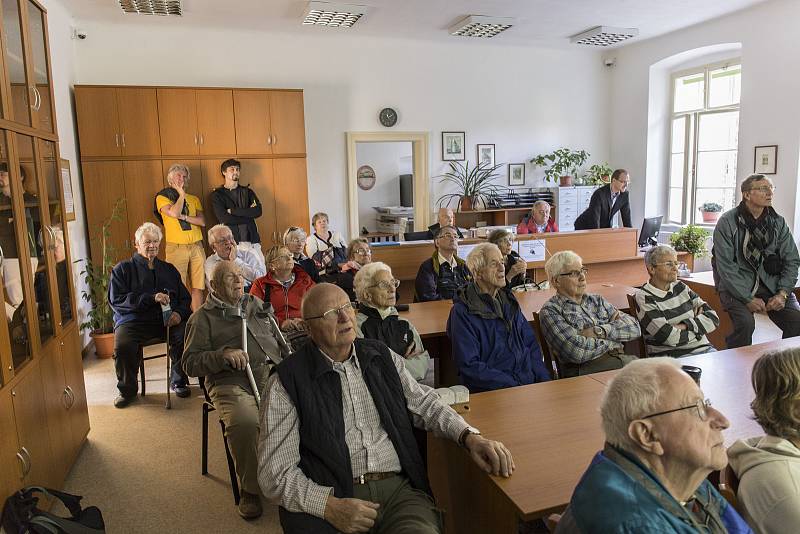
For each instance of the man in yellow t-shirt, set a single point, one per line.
(182, 216)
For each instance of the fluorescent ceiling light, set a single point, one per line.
(604, 36)
(480, 26)
(332, 15)
(151, 7)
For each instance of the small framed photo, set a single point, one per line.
(766, 160)
(486, 155)
(453, 148)
(516, 174)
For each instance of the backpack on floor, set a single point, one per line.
(21, 516)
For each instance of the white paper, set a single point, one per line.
(69, 203)
(532, 249)
(463, 250)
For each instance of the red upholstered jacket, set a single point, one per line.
(528, 226)
(286, 303)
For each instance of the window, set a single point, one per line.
(704, 139)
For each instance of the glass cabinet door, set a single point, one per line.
(39, 87)
(21, 96)
(8, 244)
(53, 236)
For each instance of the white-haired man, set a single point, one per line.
(585, 331)
(494, 346)
(662, 441)
(220, 238)
(140, 290)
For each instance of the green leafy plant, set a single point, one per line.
(692, 239)
(474, 183)
(97, 276)
(711, 207)
(598, 174)
(561, 162)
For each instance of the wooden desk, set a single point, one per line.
(553, 431)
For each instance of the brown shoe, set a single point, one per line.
(249, 506)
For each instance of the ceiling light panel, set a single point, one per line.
(151, 7)
(481, 26)
(604, 36)
(333, 15)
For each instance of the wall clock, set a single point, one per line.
(388, 117)
(365, 177)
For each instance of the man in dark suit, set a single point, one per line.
(606, 202)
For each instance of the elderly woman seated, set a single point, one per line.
(516, 267)
(674, 319)
(359, 254)
(768, 467)
(377, 317)
(538, 220)
(584, 331)
(295, 240)
(325, 247)
(283, 286)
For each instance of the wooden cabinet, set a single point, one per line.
(287, 119)
(33, 432)
(196, 121)
(103, 185)
(77, 410)
(138, 121)
(269, 122)
(10, 464)
(291, 194)
(215, 128)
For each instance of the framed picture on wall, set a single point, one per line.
(486, 155)
(766, 159)
(516, 174)
(453, 148)
(66, 181)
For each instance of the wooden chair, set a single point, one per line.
(208, 406)
(161, 354)
(729, 486)
(553, 365)
(634, 309)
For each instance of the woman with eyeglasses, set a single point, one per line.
(325, 247)
(674, 319)
(377, 318)
(516, 267)
(359, 254)
(295, 239)
(283, 286)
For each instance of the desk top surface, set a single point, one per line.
(430, 318)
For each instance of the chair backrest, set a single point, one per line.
(553, 366)
(729, 486)
(417, 236)
(633, 306)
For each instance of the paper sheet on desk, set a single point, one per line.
(463, 250)
(532, 250)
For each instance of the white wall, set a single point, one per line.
(388, 160)
(769, 101)
(525, 100)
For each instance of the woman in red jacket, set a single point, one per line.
(538, 220)
(283, 286)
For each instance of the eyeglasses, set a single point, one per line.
(224, 239)
(701, 406)
(150, 242)
(387, 285)
(763, 189)
(284, 257)
(576, 274)
(333, 313)
(670, 264)
(363, 251)
(447, 236)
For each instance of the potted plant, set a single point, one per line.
(599, 174)
(96, 276)
(562, 165)
(692, 239)
(710, 211)
(475, 184)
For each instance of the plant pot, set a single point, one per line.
(466, 204)
(103, 344)
(566, 181)
(710, 216)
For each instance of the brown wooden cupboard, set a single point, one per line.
(269, 122)
(196, 121)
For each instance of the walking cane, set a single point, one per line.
(281, 338)
(168, 405)
(249, 369)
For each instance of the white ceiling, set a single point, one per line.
(538, 22)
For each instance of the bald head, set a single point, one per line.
(227, 282)
(333, 333)
(314, 299)
(446, 217)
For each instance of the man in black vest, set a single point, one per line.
(606, 202)
(336, 449)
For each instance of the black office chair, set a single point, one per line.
(417, 236)
(208, 406)
(552, 364)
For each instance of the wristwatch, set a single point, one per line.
(462, 439)
(599, 332)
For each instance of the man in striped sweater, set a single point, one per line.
(674, 319)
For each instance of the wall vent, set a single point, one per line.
(480, 26)
(152, 7)
(332, 15)
(604, 36)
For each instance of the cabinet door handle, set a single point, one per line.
(2, 258)
(71, 393)
(269, 139)
(38, 98)
(123, 139)
(65, 398)
(274, 139)
(201, 139)
(195, 138)
(116, 139)
(26, 461)
(23, 464)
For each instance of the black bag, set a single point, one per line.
(21, 516)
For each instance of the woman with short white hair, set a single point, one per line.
(377, 318)
(295, 239)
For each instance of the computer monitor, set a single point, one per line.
(651, 226)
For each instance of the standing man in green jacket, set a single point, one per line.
(755, 264)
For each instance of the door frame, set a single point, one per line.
(421, 168)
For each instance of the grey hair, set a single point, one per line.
(148, 228)
(216, 230)
(540, 203)
(652, 256)
(179, 167)
(476, 259)
(632, 394)
(555, 265)
(747, 185)
(365, 277)
(292, 230)
(496, 235)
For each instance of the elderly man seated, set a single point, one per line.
(584, 331)
(494, 346)
(149, 300)
(220, 238)
(674, 318)
(338, 451)
(662, 441)
(442, 274)
(214, 351)
(538, 221)
(445, 217)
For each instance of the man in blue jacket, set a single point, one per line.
(493, 345)
(147, 296)
(444, 272)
